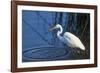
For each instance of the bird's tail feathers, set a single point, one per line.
(82, 47)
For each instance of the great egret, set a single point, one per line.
(68, 38)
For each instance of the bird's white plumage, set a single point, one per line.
(68, 38)
(73, 41)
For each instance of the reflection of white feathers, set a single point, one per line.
(68, 38)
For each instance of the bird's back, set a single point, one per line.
(73, 41)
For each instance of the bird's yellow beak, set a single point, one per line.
(52, 28)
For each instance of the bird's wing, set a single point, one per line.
(73, 41)
(69, 39)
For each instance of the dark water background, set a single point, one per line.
(39, 44)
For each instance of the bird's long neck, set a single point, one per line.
(60, 32)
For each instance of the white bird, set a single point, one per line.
(68, 38)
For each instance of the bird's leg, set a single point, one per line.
(78, 51)
(73, 51)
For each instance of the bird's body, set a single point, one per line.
(68, 38)
(73, 41)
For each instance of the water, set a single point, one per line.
(46, 54)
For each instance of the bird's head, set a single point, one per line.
(57, 26)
